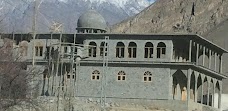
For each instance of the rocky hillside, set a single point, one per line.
(179, 16)
(208, 18)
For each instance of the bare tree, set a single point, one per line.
(14, 78)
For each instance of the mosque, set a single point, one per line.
(180, 69)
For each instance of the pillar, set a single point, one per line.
(204, 50)
(197, 54)
(202, 81)
(213, 96)
(215, 60)
(220, 70)
(190, 51)
(208, 89)
(188, 84)
(196, 82)
(98, 49)
(209, 59)
(220, 95)
(155, 51)
(126, 55)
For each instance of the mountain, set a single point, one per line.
(177, 16)
(208, 18)
(16, 15)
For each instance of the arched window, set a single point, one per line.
(102, 48)
(120, 50)
(161, 50)
(121, 76)
(132, 48)
(95, 75)
(149, 50)
(92, 49)
(147, 76)
(39, 49)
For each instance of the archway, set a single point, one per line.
(179, 86)
(199, 89)
(206, 61)
(192, 87)
(205, 90)
(216, 95)
(211, 92)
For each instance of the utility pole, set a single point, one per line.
(105, 68)
(34, 37)
(34, 30)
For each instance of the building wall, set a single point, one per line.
(132, 87)
(40, 42)
(140, 50)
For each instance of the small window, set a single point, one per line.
(121, 76)
(161, 50)
(132, 50)
(149, 50)
(92, 49)
(147, 76)
(70, 76)
(120, 50)
(39, 51)
(96, 75)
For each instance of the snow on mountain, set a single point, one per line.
(65, 12)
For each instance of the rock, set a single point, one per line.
(89, 100)
(107, 104)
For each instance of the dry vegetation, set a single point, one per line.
(14, 78)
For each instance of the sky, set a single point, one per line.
(151, 0)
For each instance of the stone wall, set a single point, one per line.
(133, 87)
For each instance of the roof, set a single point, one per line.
(146, 36)
(92, 19)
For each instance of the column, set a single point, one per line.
(208, 89)
(204, 55)
(188, 84)
(190, 51)
(155, 51)
(202, 80)
(197, 54)
(213, 96)
(196, 82)
(220, 70)
(126, 51)
(97, 50)
(215, 54)
(209, 59)
(220, 95)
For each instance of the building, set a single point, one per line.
(163, 70)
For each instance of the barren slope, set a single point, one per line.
(179, 16)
